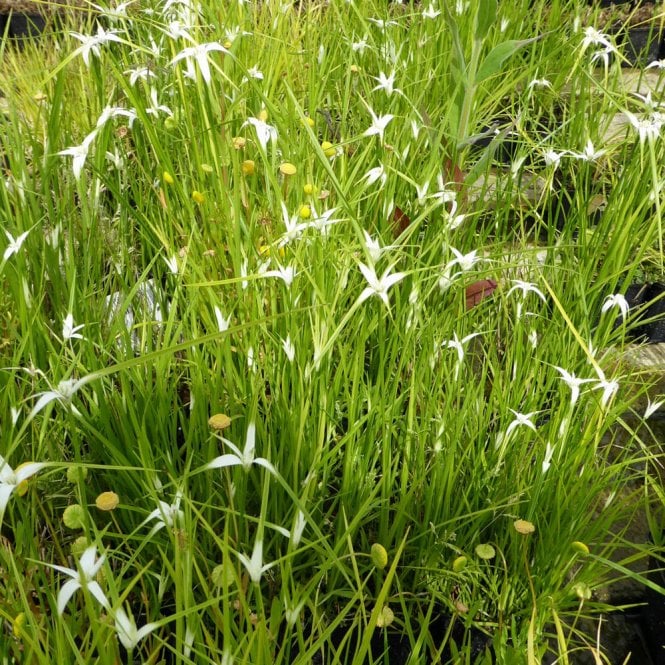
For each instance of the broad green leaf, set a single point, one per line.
(485, 17)
(494, 60)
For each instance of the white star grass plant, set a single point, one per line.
(320, 288)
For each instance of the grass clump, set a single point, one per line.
(261, 418)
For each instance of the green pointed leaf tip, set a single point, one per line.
(494, 60)
(485, 18)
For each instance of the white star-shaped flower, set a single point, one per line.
(521, 420)
(619, 301)
(589, 154)
(79, 153)
(245, 458)
(430, 12)
(648, 129)
(69, 330)
(10, 479)
(199, 54)
(378, 287)
(264, 131)
(14, 244)
(84, 577)
(386, 83)
(376, 174)
(92, 43)
(379, 124)
(254, 565)
(127, 632)
(573, 382)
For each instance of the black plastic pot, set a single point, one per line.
(21, 26)
(653, 617)
(647, 305)
(642, 45)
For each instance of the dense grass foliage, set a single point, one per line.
(263, 419)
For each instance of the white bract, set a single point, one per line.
(464, 261)
(374, 247)
(166, 515)
(10, 479)
(125, 628)
(458, 345)
(379, 124)
(293, 227)
(651, 408)
(111, 112)
(547, 460)
(83, 578)
(378, 286)
(286, 274)
(573, 382)
(199, 55)
(155, 107)
(609, 388)
(246, 458)
(593, 37)
(540, 83)
(619, 301)
(648, 129)
(298, 528)
(222, 322)
(386, 83)
(253, 73)
(69, 330)
(63, 393)
(254, 565)
(360, 45)
(603, 55)
(139, 73)
(264, 131)
(171, 263)
(79, 153)
(323, 222)
(381, 23)
(92, 43)
(525, 288)
(552, 158)
(376, 174)
(430, 12)
(589, 154)
(289, 349)
(521, 420)
(14, 244)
